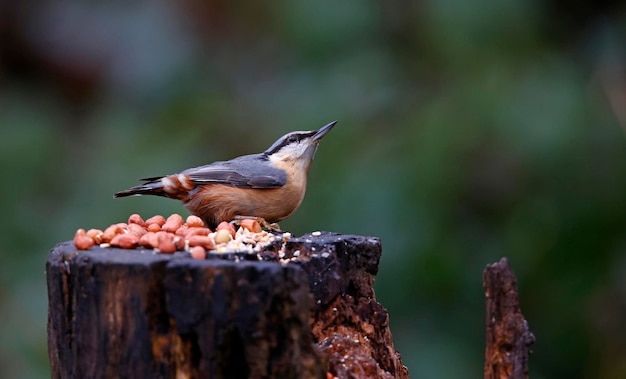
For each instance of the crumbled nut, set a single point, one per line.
(251, 225)
(248, 241)
(179, 242)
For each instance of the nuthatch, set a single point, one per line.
(269, 185)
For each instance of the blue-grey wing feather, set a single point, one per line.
(249, 171)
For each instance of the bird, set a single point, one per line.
(268, 186)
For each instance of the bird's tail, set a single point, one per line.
(153, 187)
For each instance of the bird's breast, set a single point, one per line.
(216, 202)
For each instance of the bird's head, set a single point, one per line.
(298, 147)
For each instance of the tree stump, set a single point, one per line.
(508, 335)
(299, 309)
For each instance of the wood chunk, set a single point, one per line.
(508, 335)
(131, 313)
(349, 325)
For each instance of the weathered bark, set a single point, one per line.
(508, 335)
(349, 325)
(131, 313)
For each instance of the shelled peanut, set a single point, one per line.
(175, 234)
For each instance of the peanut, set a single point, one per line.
(125, 241)
(204, 241)
(82, 241)
(172, 223)
(136, 219)
(145, 239)
(198, 252)
(136, 229)
(158, 219)
(194, 221)
(166, 243)
(95, 235)
(153, 227)
(195, 231)
(111, 232)
(182, 230)
(153, 239)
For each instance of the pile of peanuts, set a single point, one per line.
(175, 234)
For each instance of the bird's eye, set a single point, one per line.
(292, 139)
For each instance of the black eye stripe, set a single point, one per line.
(288, 139)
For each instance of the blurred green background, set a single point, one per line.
(467, 131)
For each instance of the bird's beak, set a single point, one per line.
(323, 130)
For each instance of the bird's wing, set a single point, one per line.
(244, 172)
